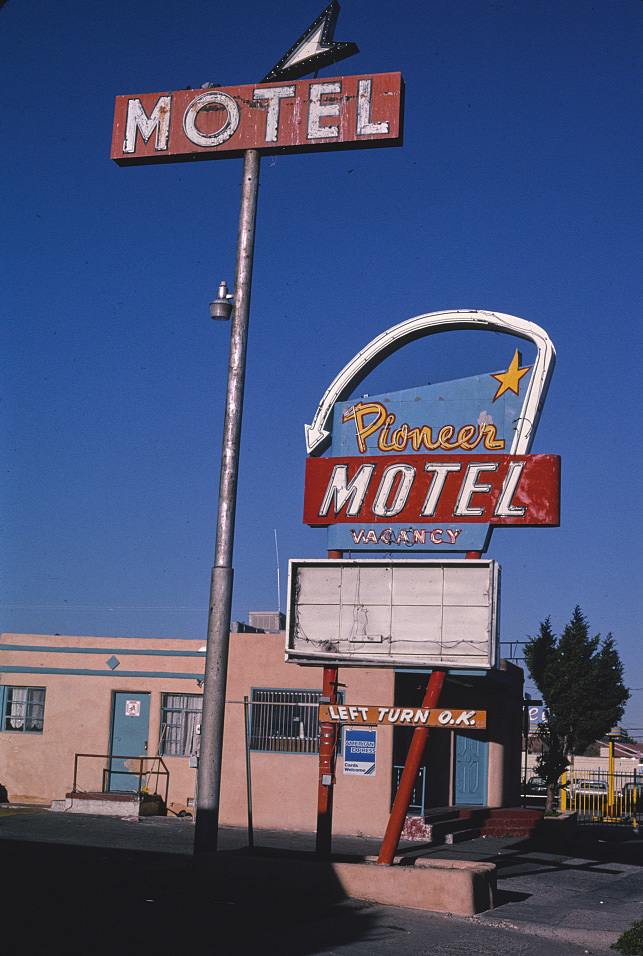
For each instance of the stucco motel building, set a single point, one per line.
(117, 715)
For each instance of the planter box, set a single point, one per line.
(555, 830)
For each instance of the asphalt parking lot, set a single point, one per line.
(77, 883)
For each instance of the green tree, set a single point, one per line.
(580, 679)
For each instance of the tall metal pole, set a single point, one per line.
(216, 660)
(327, 757)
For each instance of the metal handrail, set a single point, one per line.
(161, 770)
(418, 794)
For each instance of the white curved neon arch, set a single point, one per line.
(318, 435)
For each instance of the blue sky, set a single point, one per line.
(517, 190)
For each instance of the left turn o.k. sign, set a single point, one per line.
(306, 115)
(404, 716)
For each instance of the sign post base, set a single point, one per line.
(410, 772)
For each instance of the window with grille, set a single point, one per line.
(180, 725)
(23, 709)
(285, 721)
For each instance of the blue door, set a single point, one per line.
(471, 761)
(129, 737)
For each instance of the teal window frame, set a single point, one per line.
(22, 712)
(180, 724)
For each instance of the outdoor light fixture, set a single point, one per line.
(221, 307)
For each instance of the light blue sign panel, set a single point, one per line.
(456, 417)
(359, 751)
(460, 402)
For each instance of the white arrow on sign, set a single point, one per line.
(314, 49)
(318, 435)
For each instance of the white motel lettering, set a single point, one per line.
(158, 121)
(397, 480)
(301, 116)
(401, 494)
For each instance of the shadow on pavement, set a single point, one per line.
(593, 849)
(501, 897)
(66, 898)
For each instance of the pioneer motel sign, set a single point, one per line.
(436, 467)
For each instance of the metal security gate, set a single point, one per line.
(284, 720)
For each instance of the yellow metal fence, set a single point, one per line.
(603, 796)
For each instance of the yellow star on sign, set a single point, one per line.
(510, 380)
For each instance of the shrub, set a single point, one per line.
(631, 941)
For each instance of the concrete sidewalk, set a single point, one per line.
(81, 870)
(586, 891)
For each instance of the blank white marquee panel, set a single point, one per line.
(393, 613)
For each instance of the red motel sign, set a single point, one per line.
(306, 115)
(499, 489)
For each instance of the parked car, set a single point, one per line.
(535, 791)
(630, 797)
(589, 795)
(536, 786)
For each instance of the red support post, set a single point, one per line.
(327, 741)
(409, 774)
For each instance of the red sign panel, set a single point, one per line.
(498, 489)
(340, 112)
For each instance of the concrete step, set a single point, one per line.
(508, 831)
(515, 813)
(461, 836)
(455, 825)
(442, 828)
(110, 804)
(512, 821)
